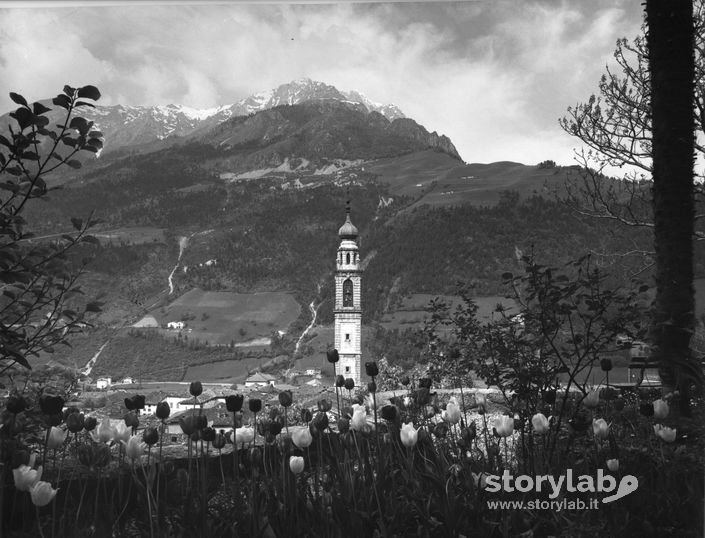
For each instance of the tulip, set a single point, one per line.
(405, 380)
(285, 398)
(600, 428)
(121, 433)
(296, 464)
(234, 402)
(306, 415)
(349, 383)
(660, 409)
(592, 399)
(219, 441)
(549, 396)
(324, 405)
(255, 405)
(208, 434)
(244, 435)
(320, 421)
(26, 477)
(104, 433)
(343, 425)
(134, 448)
(480, 480)
(131, 420)
(504, 425)
(371, 369)
(42, 493)
(16, 404)
(665, 433)
(332, 356)
(195, 389)
(89, 423)
(150, 436)
(540, 423)
(606, 365)
(339, 381)
(613, 465)
(163, 410)
(74, 422)
(359, 418)
(51, 405)
(452, 413)
(302, 438)
(440, 430)
(57, 436)
(409, 435)
(389, 412)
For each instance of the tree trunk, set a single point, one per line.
(670, 42)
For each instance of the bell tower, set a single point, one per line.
(348, 305)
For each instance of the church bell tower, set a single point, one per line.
(348, 305)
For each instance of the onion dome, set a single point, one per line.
(348, 230)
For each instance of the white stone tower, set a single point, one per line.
(348, 303)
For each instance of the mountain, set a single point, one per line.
(125, 126)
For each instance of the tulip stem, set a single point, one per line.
(39, 522)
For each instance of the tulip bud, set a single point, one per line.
(405, 380)
(195, 389)
(219, 441)
(163, 410)
(332, 356)
(613, 465)
(504, 426)
(150, 436)
(139, 400)
(51, 405)
(349, 383)
(600, 428)
(340, 381)
(234, 402)
(255, 405)
(549, 396)
(275, 427)
(129, 404)
(389, 412)
(320, 421)
(660, 409)
(57, 436)
(540, 423)
(606, 365)
(306, 415)
(187, 424)
(89, 423)
(371, 369)
(42, 493)
(208, 434)
(409, 435)
(592, 399)
(665, 433)
(296, 464)
(54, 420)
(285, 398)
(372, 387)
(16, 404)
(131, 420)
(343, 425)
(74, 422)
(324, 405)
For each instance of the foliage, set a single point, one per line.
(39, 306)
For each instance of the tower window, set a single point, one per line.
(347, 258)
(347, 369)
(347, 337)
(348, 293)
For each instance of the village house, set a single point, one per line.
(103, 383)
(259, 379)
(175, 325)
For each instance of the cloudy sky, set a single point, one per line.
(493, 75)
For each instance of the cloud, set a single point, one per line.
(494, 76)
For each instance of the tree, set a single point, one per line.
(671, 64)
(40, 302)
(616, 127)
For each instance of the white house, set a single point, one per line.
(127, 381)
(175, 325)
(259, 380)
(313, 371)
(103, 382)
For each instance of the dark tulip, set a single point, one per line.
(129, 404)
(347, 411)
(90, 423)
(208, 434)
(440, 429)
(425, 383)
(55, 419)
(274, 413)
(371, 369)
(469, 433)
(195, 436)
(163, 410)
(16, 404)
(201, 422)
(234, 402)
(285, 398)
(389, 412)
(549, 396)
(320, 421)
(343, 425)
(332, 356)
(340, 381)
(647, 409)
(618, 404)
(195, 388)
(275, 427)
(51, 405)
(219, 441)
(405, 380)
(150, 436)
(349, 383)
(74, 422)
(606, 365)
(131, 420)
(306, 415)
(68, 411)
(139, 400)
(372, 386)
(324, 405)
(579, 422)
(255, 405)
(187, 425)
